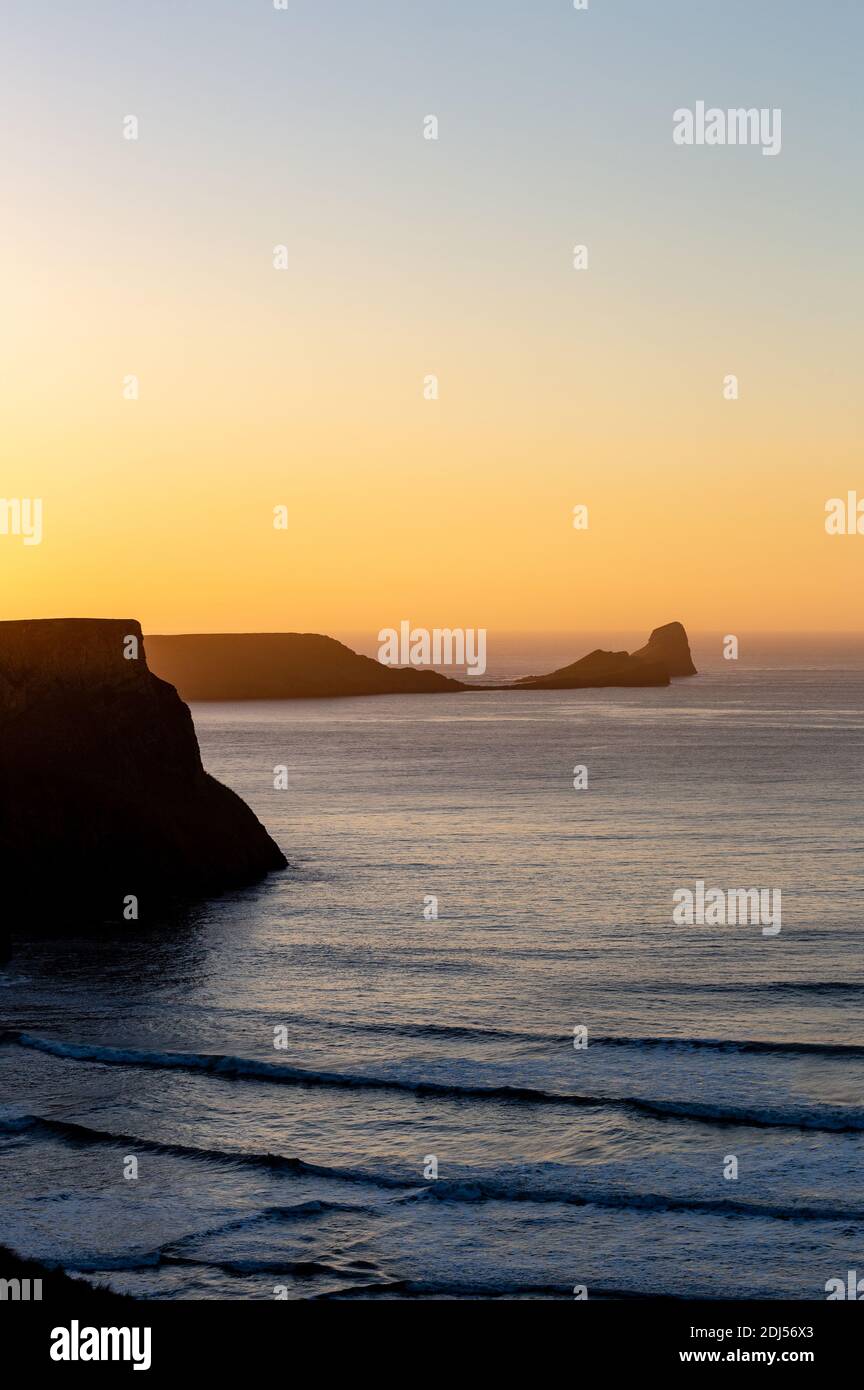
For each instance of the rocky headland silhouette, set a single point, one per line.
(665, 654)
(103, 795)
(668, 646)
(281, 666)
(302, 665)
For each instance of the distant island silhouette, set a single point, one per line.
(304, 666)
(665, 654)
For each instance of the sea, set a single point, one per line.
(461, 1048)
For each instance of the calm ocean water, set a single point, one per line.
(305, 1166)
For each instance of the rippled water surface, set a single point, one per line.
(306, 1166)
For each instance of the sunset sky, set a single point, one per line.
(304, 387)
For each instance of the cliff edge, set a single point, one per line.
(103, 794)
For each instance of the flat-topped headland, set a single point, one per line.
(103, 795)
(281, 666)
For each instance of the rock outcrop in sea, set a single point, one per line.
(665, 654)
(668, 647)
(103, 795)
(599, 668)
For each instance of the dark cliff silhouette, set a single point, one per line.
(304, 665)
(102, 790)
